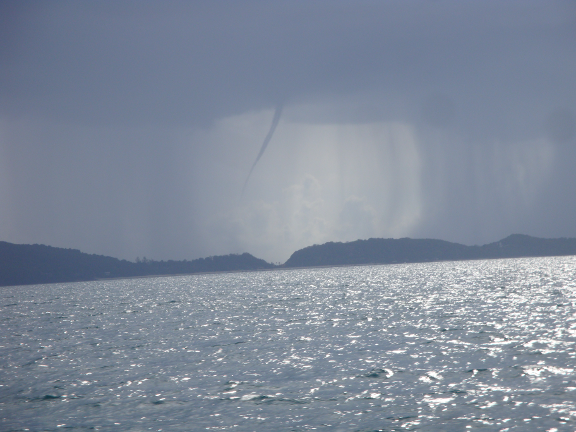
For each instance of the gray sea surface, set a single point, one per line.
(456, 346)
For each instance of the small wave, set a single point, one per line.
(379, 373)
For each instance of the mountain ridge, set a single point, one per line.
(22, 264)
(389, 251)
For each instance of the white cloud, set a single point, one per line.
(322, 182)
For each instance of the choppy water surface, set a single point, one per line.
(486, 345)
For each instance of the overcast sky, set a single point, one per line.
(128, 128)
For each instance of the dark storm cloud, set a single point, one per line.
(193, 62)
(126, 127)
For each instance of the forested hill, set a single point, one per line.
(385, 251)
(37, 264)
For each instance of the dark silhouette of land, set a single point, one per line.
(39, 264)
(388, 251)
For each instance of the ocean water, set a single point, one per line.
(456, 346)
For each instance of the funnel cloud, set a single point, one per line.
(269, 135)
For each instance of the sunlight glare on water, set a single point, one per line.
(482, 345)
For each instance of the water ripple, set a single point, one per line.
(487, 345)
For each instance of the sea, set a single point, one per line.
(487, 345)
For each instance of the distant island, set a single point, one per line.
(407, 250)
(40, 264)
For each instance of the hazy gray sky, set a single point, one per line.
(127, 128)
